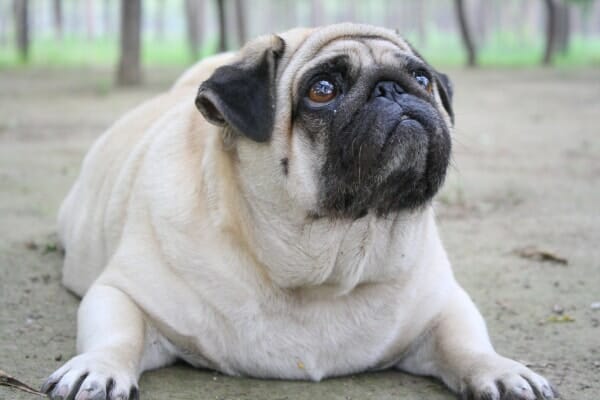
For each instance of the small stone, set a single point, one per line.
(558, 309)
(58, 357)
(595, 305)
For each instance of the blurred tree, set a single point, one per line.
(551, 27)
(421, 20)
(563, 27)
(240, 15)
(222, 26)
(74, 17)
(459, 6)
(585, 6)
(481, 21)
(281, 15)
(107, 18)
(159, 20)
(129, 72)
(89, 19)
(348, 11)
(193, 18)
(21, 9)
(317, 13)
(57, 18)
(3, 24)
(391, 15)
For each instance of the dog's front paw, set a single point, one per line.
(499, 378)
(92, 376)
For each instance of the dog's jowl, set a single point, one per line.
(273, 209)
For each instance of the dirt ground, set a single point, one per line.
(522, 197)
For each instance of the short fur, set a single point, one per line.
(246, 239)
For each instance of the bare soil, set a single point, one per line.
(522, 198)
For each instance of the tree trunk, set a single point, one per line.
(563, 28)
(192, 19)
(129, 71)
(222, 25)
(465, 33)
(3, 24)
(58, 19)
(240, 15)
(22, 28)
(550, 31)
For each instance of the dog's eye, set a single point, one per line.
(322, 91)
(423, 80)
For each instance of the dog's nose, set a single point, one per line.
(388, 89)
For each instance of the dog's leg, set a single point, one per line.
(115, 346)
(458, 351)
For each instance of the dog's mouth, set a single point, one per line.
(391, 155)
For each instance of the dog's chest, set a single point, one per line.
(304, 340)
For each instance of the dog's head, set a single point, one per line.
(344, 120)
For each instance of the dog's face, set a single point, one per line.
(345, 120)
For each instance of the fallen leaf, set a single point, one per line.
(560, 318)
(31, 245)
(7, 380)
(533, 253)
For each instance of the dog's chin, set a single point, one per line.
(396, 161)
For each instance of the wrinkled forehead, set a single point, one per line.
(358, 45)
(363, 49)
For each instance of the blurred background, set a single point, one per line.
(139, 34)
(523, 188)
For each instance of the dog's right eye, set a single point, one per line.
(322, 91)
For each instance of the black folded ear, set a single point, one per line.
(242, 95)
(446, 92)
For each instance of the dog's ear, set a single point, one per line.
(446, 92)
(242, 95)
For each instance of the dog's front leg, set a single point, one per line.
(457, 350)
(111, 342)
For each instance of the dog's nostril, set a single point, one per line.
(387, 89)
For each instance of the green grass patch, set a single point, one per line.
(74, 52)
(505, 49)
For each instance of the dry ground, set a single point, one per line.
(526, 172)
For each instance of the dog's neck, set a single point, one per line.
(300, 252)
(336, 254)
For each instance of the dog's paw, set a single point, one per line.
(91, 376)
(499, 378)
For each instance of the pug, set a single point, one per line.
(277, 223)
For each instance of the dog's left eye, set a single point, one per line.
(423, 80)
(322, 91)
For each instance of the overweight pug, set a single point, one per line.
(279, 226)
